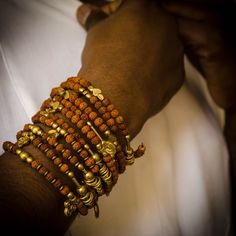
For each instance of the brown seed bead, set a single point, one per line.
(68, 104)
(75, 79)
(69, 114)
(51, 141)
(78, 101)
(84, 154)
(60, 121)
(80, 124)
(106, 101)
(102, 110)
(76, 146)
(64, 110)
(103, 128)
(42, 119)
(106, 116)
(57, 184)
(113, 169)
(43, 147)
(84, 83)
(114, 113)
(66, 153)
(83, 105)
(107, 158)
(98, 121)
(85, 129)
(84, 117)
(88, 110)
(65, 190)
(48, 122)
(65, 126)
(50, 153)
(34, 164)
(73, 108)
(91, 134)
(95, 140)
(82, 141)
(110, 164)
(114, 128)
(36, 142)
(110, 122)
(77, 87)
(42, 170)
(122, 126)
(63, 101)
(71, 130)
(119, 119)
(110, 107)
(64, 168)
(74, 160)
(49, 176)
(72, 97)
(70, 138)
(92, 115)
(89, 162)
(78, 112)
(125, 132)
(57, 161)
(95, 169)
(93, 99)
(59, 147)
(98, 104)
(54, 91)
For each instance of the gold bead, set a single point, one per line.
(40, 132)
(35, 129)
(70, 195)
(18, 151)
(96, 157)
(89, 175)
(54, 125)
(82, 190)
(62, 132)
(71, 174)
(24, 155)
(29, 160)
(81, 167)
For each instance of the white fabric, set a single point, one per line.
(180, 187)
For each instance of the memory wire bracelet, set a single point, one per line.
(95, 151)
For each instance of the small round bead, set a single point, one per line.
(64, 110)
(73, 108)
(42, 170)
(57, 161)
(95, 140)
(51, 141)
(65, 126)
(78, 112)
(71, 130)
(106, 101)
(80, 124)
(110, 122)
(68, 104)
(59, 147)
(95, 169)
(102, 110)
(49, 176)
(106, 116)
(119, 119)
(89, 162)
(76, 87)
(83, 105)
(70, 138)
(98, 121)
(82, 141)
(69, 114)
(92, 115)
(84, 83)
(74, 160)
(114, 128)
(110, 107)
(43, 147)
(34, 164)
(91, 134)
(93, 99)
(98, 105)
(85, 129)
(64, 168)
(84, 117)
(76, 146)
(65, 190)
(66, 153)
(88, 110)
(57, 184)
(114, 113)
(77, 102)
(48, 122)
(50, 153)
(84, 154)
(36, 142)
(103, 128)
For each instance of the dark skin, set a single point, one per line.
(112, 62)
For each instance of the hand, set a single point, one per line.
(136, 58)
(207, 44)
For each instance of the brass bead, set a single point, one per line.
(29, 160)
(71, 174)
(82, 190)
(89, 175)
(62, 132)
(70, 195)
(40, 132)
(81, 167)
(35, 129)
(18, 151)
(54, 125)
(96, 157)
(24, 155)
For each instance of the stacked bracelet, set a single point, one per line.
(86, 139)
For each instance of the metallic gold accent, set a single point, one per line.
(129, 151)
(96, 92)
(96, 210)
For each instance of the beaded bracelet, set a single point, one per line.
(86, 133)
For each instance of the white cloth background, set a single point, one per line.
(180, 187)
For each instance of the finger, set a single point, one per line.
(193, 11)
(89, 16)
